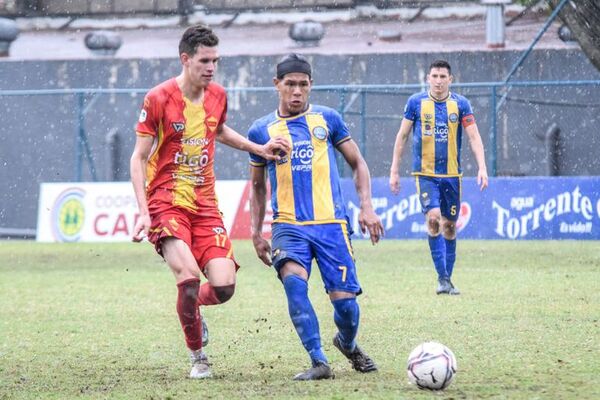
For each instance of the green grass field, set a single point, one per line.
(99, 321)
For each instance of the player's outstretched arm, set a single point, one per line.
(137, 167)
(367, 219)
(477, 148)
(258, 202)
(401, 138)
(272, 150)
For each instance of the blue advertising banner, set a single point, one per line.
(510, 208)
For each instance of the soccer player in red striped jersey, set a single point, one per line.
(437, 119)
(172, 171)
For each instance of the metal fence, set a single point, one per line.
(366, 106)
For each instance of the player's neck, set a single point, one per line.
(442, 97)
(282, 113)
(193, 93)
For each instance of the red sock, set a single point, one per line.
(189, 316)
(207, 295)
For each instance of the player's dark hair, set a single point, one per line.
(293, 63)
(197, 35)
(441, 64)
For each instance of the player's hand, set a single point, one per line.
(368, 220)
(263, 249)
(141, 229)
(395, 183)
(276, 148)
(482, 179)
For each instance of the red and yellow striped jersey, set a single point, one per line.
(181, 166)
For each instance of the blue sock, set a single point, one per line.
(303, 316)
(346, 316)
(438, 253)
(450, 255)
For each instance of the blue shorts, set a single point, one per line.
(442, 193)
(329, 244)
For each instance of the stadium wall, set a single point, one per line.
(39, 133)
(130, 7)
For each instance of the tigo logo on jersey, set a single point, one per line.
(319, 132)
(68, 215)
(464, 216)
(303, 152)
(441, 133)
(192, 159)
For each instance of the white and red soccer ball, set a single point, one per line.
(431, 366)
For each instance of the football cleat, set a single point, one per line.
(200, 365)
(204, 332)
(359, 359)
(453, 290)
(320, 371)
(444, 286)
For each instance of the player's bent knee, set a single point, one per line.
(189, 288)
(433, 226)
(450, 232)
(293, 268)
(224, 293)
(221, 272)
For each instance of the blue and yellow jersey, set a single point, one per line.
(437, 132)
(305, 187)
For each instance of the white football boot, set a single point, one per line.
(200, 365)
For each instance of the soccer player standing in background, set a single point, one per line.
(172, 171)
(437, 119)
(309, 213)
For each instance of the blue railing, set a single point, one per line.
(346, 106)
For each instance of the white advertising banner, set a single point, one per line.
(107, 212)
(511, 208)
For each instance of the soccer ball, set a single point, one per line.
(432, 366)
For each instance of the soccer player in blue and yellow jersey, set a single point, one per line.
(309, 214)
(174, 182)
(437, 119)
